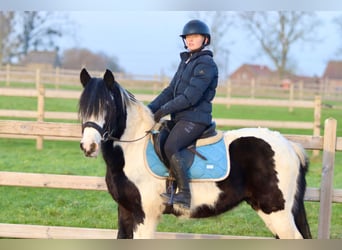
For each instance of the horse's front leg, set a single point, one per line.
(125, 223)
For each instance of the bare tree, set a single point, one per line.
(6, 28)
(32, 30)
(219, 23)
(78, 57)
(278, 31)
(38, 31)
(338, 22)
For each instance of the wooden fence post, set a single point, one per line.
(156, 82)
(253, 88)
(326, 193)
(317, 120)
(40, 107)
(57, 77)
(291, 97)
(8, 74)
(317, 116)
(301, 87)
(228, 91)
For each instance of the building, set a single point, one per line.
(332, 76)
(247, 72)
(333, 71)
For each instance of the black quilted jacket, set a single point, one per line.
(191, 91)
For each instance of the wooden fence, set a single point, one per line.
(259, 87)
(328, 143)
(41, 114)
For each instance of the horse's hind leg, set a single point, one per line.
(281, 224)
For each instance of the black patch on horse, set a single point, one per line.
(123, 191)
(252, 178)
(255, 157)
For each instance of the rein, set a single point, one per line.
(106, 136)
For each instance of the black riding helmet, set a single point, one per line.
(196, 27)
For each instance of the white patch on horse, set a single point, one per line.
(205, 193)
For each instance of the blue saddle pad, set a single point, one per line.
(215, 168)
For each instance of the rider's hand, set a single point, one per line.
(158, 115)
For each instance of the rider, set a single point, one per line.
(188, 99)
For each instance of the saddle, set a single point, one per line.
(209, 136)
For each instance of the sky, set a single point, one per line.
(144, 36)
(148, 42)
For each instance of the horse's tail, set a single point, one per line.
(298, 209)
(302, 156)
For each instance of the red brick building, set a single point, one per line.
(247, 72)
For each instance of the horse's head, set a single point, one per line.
(102, 111)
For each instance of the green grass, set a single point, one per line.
(96, 209)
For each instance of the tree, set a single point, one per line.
(278, 31)
(338, 22)
(77, 58)
(31, 30)
(6, 28)
(219, 23)
(38, 31)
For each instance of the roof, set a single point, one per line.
(262, 71)
(333, 70)
(258, 69)
(254, 69)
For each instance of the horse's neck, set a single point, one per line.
(139, 120)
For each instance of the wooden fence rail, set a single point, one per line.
(41, 114)
(267, 87)
(328, 143)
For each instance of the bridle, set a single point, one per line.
(106, 135)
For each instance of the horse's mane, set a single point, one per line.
(97, 97)
(107, 100)
(127, 96)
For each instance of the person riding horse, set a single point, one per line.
(188, 99)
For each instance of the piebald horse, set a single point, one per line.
(266, 170)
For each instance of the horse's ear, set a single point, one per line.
(109, 78)
(84, 77)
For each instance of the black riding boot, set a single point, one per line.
(183, 196)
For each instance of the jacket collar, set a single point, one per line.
(186, 54)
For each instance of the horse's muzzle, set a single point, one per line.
(91, 152)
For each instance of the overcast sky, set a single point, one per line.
(148, 42)
(144, 34)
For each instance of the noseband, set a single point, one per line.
(94, 126)
(107, 135)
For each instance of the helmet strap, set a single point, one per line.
(185, 47)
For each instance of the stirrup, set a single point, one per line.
(184, 203)
(168, 196)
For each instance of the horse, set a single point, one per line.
(266, 170)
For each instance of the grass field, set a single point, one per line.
(97, 210)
